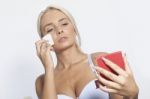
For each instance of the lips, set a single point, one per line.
(62, 39)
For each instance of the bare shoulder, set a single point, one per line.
(39, 84)
(97, 54)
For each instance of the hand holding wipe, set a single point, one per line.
(49, 38)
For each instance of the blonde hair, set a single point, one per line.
(56, 7)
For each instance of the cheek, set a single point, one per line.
(71, 32)
(69, 29)
(54, 37)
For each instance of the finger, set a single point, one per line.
(39, 42)
(109, 90)
(111, 76)
(43, 47)
(114, 66)
(46, 47)
(49, 48)
(127, 67)
(106, 89)
(108, 74)
(38, 46)
(109, 83)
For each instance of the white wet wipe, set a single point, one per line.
(49, 38)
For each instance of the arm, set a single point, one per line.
(49, 90)
(45, 84)
(115, 96)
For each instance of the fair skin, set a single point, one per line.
(72, 71)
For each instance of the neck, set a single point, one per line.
(69, 57)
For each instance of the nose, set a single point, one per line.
(60, 30)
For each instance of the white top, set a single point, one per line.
(89, 91)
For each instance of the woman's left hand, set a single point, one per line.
(122, 84)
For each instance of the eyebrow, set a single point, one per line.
(52, 23)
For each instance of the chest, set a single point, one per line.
(72, 81)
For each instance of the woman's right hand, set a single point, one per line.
(43, 52)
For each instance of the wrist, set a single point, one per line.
(49, 69)
(133, 96)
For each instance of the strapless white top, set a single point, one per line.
(89, 91)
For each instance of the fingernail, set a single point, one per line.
(94, 66)
(124, 54)
(97, 84)
(104, 58)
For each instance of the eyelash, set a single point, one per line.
(65, 24)
(50, 30)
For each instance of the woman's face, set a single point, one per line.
(60, 27)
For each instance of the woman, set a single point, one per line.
(73, 76)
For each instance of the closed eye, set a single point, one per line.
(65, 24)
(50, 30)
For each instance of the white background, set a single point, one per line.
(104, 25)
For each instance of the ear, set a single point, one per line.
(75, 34)
(75, 31)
